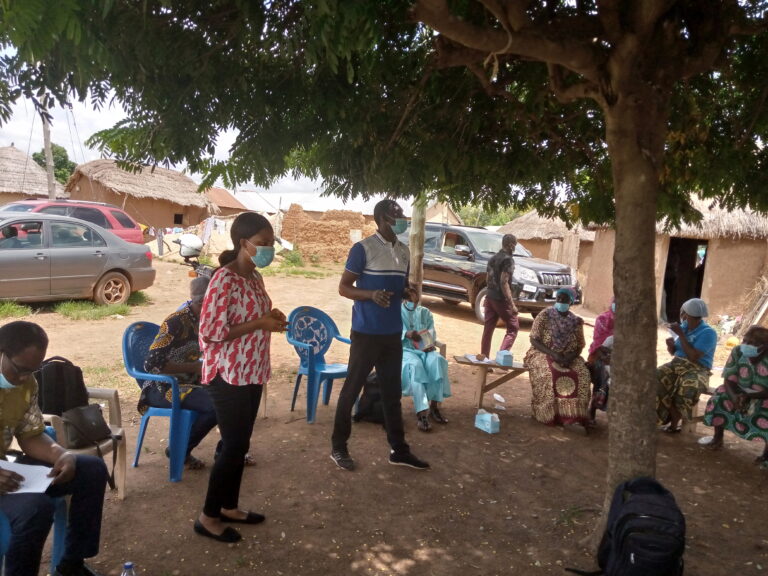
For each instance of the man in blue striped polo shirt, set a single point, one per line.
(376, 279)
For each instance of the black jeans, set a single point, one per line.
(31, 517)
(198, 400)
(368, 351)
(236, 408)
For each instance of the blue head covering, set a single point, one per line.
(567, 291)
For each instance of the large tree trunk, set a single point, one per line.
(635, 132)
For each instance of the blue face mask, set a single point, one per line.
(400, 226)
(4, 382)
(613, 307)
(749, 351)
(264, 255)
(684, 324)
(562, 306)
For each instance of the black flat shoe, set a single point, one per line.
(252, 518)
(229, 535)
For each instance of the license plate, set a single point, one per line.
(529, 288)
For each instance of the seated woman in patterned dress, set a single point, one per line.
(740, 404)
(558, 374)
(681, 381)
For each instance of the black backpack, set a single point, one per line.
(60, 386)
(62, 391)
(370, 407)
(645, 533)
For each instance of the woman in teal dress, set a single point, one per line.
(425, 371)
(740, 404)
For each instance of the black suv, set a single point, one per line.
(455, 261)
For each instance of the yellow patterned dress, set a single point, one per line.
(559, 394)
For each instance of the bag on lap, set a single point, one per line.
(645, 533)
(370, 407)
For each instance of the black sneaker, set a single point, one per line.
(343, 460)
(407, 459)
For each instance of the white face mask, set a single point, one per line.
(4, 382)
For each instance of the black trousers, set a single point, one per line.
(236, 408)
(368, 351)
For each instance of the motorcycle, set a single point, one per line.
(190, 247)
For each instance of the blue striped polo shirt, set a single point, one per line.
(379, 265)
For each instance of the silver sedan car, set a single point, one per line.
(49, 257)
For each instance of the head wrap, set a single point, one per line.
(566, 291)
(197, 288)
(695, 307)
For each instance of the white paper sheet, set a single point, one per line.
(36, 478)
(473, 358)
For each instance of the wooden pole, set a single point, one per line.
(48, 156)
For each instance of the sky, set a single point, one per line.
(71, 128)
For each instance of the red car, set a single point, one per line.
(105, 215)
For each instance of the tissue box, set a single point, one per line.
(504, 358)
(487, 422)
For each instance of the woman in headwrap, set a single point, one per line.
(559, 376)
(740, 404)
(603, 329)
(681, 381)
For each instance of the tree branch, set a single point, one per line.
(531, 42)
(566, 94)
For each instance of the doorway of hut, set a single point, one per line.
(683, 276)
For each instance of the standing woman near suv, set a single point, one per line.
(499, 301)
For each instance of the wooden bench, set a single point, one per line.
(483, 386)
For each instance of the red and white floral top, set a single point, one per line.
(230, 300)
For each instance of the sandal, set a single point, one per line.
(191, 462)
(423, 423)
(667, 428)
(434, 412)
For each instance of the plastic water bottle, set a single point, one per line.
(128, 569)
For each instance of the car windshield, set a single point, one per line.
(490, 242)
(16, 208)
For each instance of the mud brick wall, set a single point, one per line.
(326, 239)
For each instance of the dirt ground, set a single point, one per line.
(518, 502)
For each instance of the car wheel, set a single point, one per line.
(480, 304)
(451, 302)
(112, 288)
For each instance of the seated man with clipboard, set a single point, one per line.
(425, 371)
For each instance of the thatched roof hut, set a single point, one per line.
(720, 259)
(21, 177)
(718, 222)
(533, 226)
(154, 196)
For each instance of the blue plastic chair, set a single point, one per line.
(5, 539)
(137, 339)
(311, 332)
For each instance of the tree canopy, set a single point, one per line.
(62, 165)
(365, 96)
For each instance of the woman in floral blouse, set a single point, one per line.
(235, 328)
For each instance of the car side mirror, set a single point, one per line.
(462, 250)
